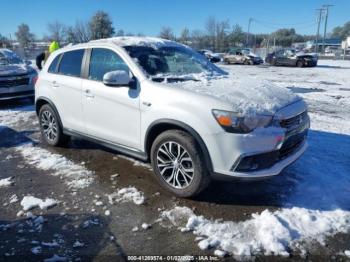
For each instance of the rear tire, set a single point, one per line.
(179, 164)
(50, 127)
(300, 63)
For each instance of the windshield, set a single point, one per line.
(7, 57)
(246, 51)
(172, 61)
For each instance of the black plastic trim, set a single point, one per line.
(136, 154)
(51, 104)
(190, 130)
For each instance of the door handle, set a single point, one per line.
(88, 93)
(55, 84)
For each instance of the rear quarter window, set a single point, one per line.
(70, 64)
(54, 65)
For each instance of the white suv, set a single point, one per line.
(158, 100)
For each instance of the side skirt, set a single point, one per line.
(120, 148)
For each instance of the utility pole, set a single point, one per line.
(320, 11)
(249, 23)
(326, 8)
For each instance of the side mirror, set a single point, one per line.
(117, 78)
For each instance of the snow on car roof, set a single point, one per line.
(138, 41)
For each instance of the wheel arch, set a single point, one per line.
(40, 101)
(161, 125)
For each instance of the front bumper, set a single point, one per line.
(262, 153)
(13, 87)
(276, 169)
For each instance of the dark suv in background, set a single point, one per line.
(290, 57)
(17, 77)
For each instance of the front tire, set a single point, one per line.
(178, 163)
(50, 127)
(300, 63)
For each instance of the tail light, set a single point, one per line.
(35, 79)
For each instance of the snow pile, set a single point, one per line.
(127, 194)
(13, 199)
(30, 202)
(135, 162)
(5, 182)
(248, 96)
(347, 253)
(76, 176)
(269, 233)
(11, 117)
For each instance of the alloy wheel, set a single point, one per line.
(175, 165)
(49, 125)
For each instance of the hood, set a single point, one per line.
(248, 96)
(253, 55)
(302, 54)
(15, 69)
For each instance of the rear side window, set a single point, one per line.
(102, 61)
(70, 64)
(53, 66)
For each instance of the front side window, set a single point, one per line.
(104, 60)
(70, 64)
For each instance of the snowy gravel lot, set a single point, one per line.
(87, 202)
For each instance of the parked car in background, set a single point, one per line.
(210, 55)
(150, 98)
(17, 77)
(290, 57)
(242, 56)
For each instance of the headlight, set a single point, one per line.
(235, 123)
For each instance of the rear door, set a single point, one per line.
(64, 79)
(110, 113)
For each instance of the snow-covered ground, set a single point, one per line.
(318, 204)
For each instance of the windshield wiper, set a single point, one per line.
(173, 79)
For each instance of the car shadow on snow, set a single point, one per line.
(24, 104)
(319, 180)
(84, 236)
(12, 138)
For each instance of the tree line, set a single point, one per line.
(218, 35)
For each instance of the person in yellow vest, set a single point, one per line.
(42, 57)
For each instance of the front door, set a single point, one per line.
(110, 113)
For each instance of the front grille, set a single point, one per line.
(17, 94)
(294, 121)
(14, 82)
(291, 145)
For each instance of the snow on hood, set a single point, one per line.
(248, 95)
(15, 69)
(302, 53)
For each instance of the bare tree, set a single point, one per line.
(4, 41)
(221, 39)
(82, 32)
(167, 33)
(210, 27)
(185, 36)
(23, 35)
(57, 31)
(120, 32)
